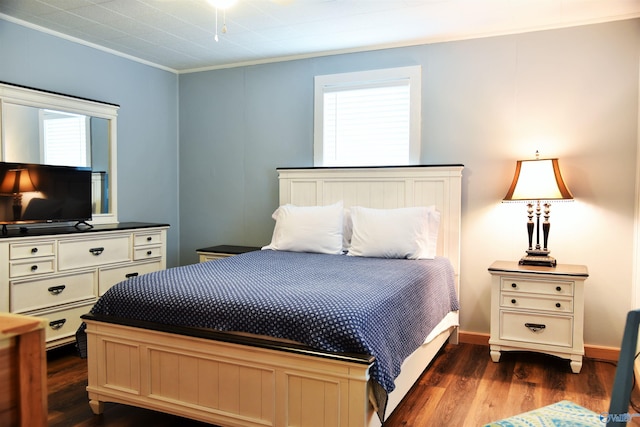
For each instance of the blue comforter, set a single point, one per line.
(379, 307)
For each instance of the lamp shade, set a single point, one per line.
(16, 181)
(538, 179)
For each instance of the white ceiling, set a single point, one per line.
(178, 35)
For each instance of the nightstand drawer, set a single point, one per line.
(536, 329)
(213, 253)
(549, 287)
(534, 302)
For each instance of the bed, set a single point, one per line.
(246, 379)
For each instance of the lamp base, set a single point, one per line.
(538, 259)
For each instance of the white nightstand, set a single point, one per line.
(538, 309)
(213, 253)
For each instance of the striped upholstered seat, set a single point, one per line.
(560, 414)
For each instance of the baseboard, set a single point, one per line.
(590, 351)
(603, 353)
(473, 338)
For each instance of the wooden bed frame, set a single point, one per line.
(233, 381)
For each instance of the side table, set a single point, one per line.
(212, 253)
(538, 309)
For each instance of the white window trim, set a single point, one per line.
(371, 77)
(46, 114)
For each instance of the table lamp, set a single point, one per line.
(14, 183)
(538, 181)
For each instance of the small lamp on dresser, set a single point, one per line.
(538, 181)
(14, 183)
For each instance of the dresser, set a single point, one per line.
(57, 273)
(538, 309)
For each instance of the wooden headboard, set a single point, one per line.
(384, 188)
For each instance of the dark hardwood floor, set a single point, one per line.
(461, 388)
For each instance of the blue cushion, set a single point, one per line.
(561, 414)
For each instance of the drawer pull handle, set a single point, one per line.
(149, 252)
(96, 251)
(34, 250)
(149, 239)
(34, 267)
(57, 324)
(130, 275)
(558, 288)
(513, 301)
(558, 305)
(55, 290)
(535, 327)
(514, 285)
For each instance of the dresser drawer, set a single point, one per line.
(536, 302)
(147, 238)
(88, 253)
(548, 287)
(31, 250)
(32, 267)
(63, 323)
(26, 295)
(107, 277)
(551, 330)
(147, 252)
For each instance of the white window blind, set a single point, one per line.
(65, 139)
(368, 118)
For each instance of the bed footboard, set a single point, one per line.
(223, 383)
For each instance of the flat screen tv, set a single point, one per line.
(34, 193)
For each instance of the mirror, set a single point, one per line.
(48, 128)
(39, 135)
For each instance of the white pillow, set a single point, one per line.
(308, 229)
(395, 233)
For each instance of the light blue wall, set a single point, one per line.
(236, 127)
(570, 93)
(147, 119)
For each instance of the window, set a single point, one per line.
(65, 139)
(369, 118)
